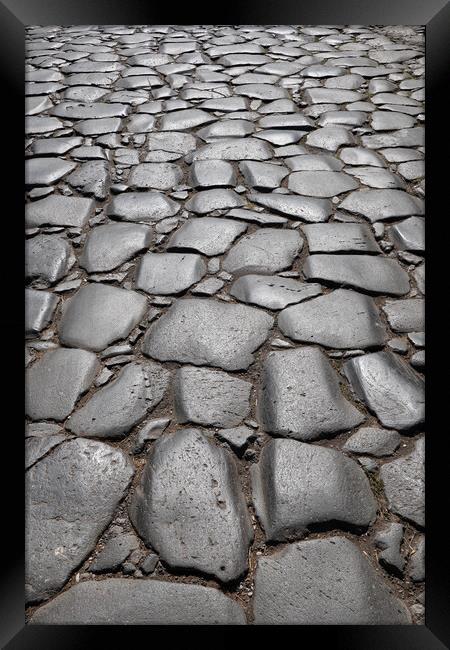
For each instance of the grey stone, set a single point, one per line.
(98, 126)
(149, 564)
(340, 237)
(160, 176)
(63, 524)
(390, 121)
(340, 319)
(39, 309)
(207, 332)
(361, 156)
(368, 272)
(418, 360)
(57, 210)
(377, 178)
(263, 175)
(148, 207)
(216, 199)
(46, 171)
(297, 207)
(416, 564)
(406, 315)
(314, 162)
(56, 381)
(330, 95)
(330, 137)
(171, 142)
(208, 287)
(267, 250)
(212, 173)
(107, 247)
(297, 485)
(85, 111)
(409, 235)
(272, 292)
(263, 218)
(55, 146)
(323, 582)
(120, 601)
(207, 235)
(373, 441)
(114, 553)
(404, 484)
(210, 397)
(167, 273)
(389, 388)
(378, 205)
(321, 183)
(237, 437)
(150, 431)
(36, 447)
(231, 128)
(388, 540)
(188, 473)
(234, 149)
(115, 409)
(98, 315)
(300, 396)
(185, 119)
(419, 277)
(91, 177)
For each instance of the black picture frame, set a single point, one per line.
(14, 16)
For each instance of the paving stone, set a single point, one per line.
(63, 525)
(188, 473)
(167, 273)
(418, 360)
(388, 540)
(300, 396)
(360, 156)
(314, 162)
(330, 137)
(373, 441)
(419, 276)
(147, 207)
(272, 291)
(57, 210)
(36, 447)
(416, 564)
(88, 111)
(207, 235)
(91, 178)
(296, 485)
(54, 146)
(216, 199)
(187, 119)
(160, 176)
(390, 121)
(39, 309)
(107, 247)
(377, 178)
(323, 582)
(212, 173)
(409, 235)
(120, 601)
(46, 171)
(237, 437)
(340, 319)
(337, 237)
(48, 258)
(378, 205)
(98, 126)
(263, 175)
(405, 315)
(267, 250)
(234, 149)
(98, 315)
(330, 95)
(56, 381)
(370, 273)
(297, 207)
(115, 409)
(210, 397)
(114, 553)
(321, 183)
(207, 332)
(263, 218)
(389, 388)
(404, 484)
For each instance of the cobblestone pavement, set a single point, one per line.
(225, 324)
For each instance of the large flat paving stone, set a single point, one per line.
(109, 246)
(46, 171)
(272, 291)
(379, 205)
(215, 199)
(266, 250)
(98, 315)
(159, 176)
(340, 237)
(234, 149)
(119, 601)
(373, 441)
(167, 273)
(300, 396)
(323, 184)
(91, 178)
(48, 258)
(307, 209)
(210, 397)
(58, 210)
(212, 173)
(71, 497)
(147, 207)
(207, 332)
(190, 506)
(377, 275)
(207, 235)
(389, 388)
(324, 582)
(404, 484)
(89, 111)
(39, 309)
(296, 485)
(55, 382)
(115, 409)
(340, 319)
(406, 315)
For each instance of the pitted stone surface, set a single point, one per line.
(340, 319)
(48, 258)
(272, 291)
(321, 183)
(390, 389)
(63, 524)
(113, 410)
(142, 206)
(296, 485)
(340, 237)
(323, 581)
(167, 273)
(373, 441)
(39, 309)
(300, 396)
(107, 247)
(159, 176)
(98, 315)
(210, 397)
(190, 506)
(217, 199)
(378, 205)
(57, 210)
(207, 332)
(406, 315)
(118, 601)
(207, 235)
(267, 250)
(297, 207)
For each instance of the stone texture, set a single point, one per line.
(207, 235)
(57, 210)
(142, 206)
(378, 205)
(48, 258)
(267, 250)
(109, 246)
(39, 309)
(405, 315)
(340, 237)
(373, 441)
(272, 291)
(167, 273)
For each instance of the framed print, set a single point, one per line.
(225, 316)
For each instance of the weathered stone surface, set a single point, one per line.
(323, 582)
(142, 206)
(406, 315)
(91, 177)
(187, 473)
(187, 119)
(98, 315)
(297, 207)
(108, 246)
(81, 111)
(119, 601)
(340, 319)
(388, 540)
(207, 332)
(378, 205)
(39, 309)
(272, 291)
(267, 250)
(409, 235)
(159, 176)
(373, 441)
(234, 149)
(330, 137)
(237, 437)
(210, 397)
(404, 484)
(216, 199)
(46, 171)
(57, 210)
(321, 183)
(340, 237)
(55, 382)
(297, 485)
(167, 273)
(212, 173)
(208, 235)
(48, 258)
(416, 564)
(114, 553)
(63, 524)
(113, 410)
(389, 388)
(300, 396)
(370, 273)
(263, 175)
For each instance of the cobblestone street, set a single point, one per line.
(225, 349)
